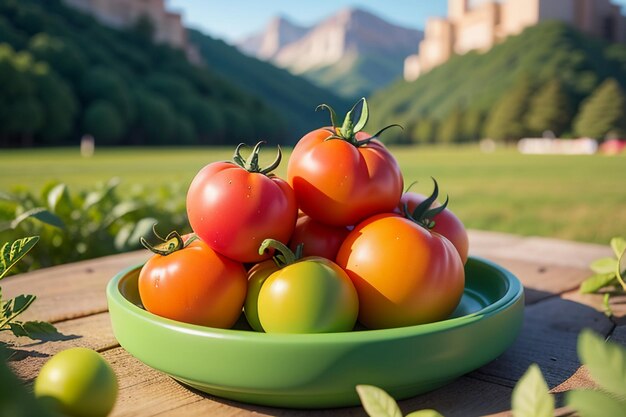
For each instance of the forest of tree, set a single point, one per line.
(550, 79)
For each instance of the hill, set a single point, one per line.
(352, 52)
(64, 75)
(467, 88)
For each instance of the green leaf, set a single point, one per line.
(621, 266)
(424, 413)
(531, 397)
(606, 305)
(128, 236)
(606, 362)
(95, 197)
(377, 403)
(596, 282)
(120, 210)
(603, 265)
(618, 244)
(14, 307)
(36, 330)
(590, 403)
(11, 253)
(360, 124)
(58, 195)
(41, 214)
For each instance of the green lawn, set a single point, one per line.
(570, 197)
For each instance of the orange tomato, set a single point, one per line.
(404, 274)
(194, 285)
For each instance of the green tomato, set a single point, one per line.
(256, 278)
(312, 295)
(77, 382)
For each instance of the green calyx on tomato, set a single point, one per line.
(169, 244)
(283, 256)
(348, 130)
(423, 214)
(251, 164)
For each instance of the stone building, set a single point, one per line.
(478, 25)
(121, 14)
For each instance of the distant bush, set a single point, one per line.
(87, 224)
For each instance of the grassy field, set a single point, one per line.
(571, 197)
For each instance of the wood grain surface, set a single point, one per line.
(73, 297)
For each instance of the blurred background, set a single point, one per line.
(109, 107)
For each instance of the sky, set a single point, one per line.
(232, 20)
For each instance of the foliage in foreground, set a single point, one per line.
(87, 224)
(10, 254)
(606, 362)
(608, 278)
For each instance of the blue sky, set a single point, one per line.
(234, 19)
(231, 20)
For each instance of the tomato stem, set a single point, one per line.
(251, 164)
(285, 256)
(423, 214)
(348, 130)
(169, 244)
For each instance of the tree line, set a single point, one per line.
(527, 112)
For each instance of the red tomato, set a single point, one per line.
(342, 175)
(234, 206)
(446, 222)
(318, 239)
(194, 285)
(404, 274)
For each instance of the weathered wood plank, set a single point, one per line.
(548, 337)
(535, 249)
(72, 290)
(543, 280)
(29, 356)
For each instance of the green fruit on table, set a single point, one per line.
(77, 382)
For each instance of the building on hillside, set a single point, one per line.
(121, 14)
(479, 24)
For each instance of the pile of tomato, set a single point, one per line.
(336, 242)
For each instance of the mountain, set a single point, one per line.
(352, 52)
(476, 83)
(293, 98)
(278, 33)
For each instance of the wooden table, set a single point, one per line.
(73, 298)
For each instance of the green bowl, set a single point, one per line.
(322, 370)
